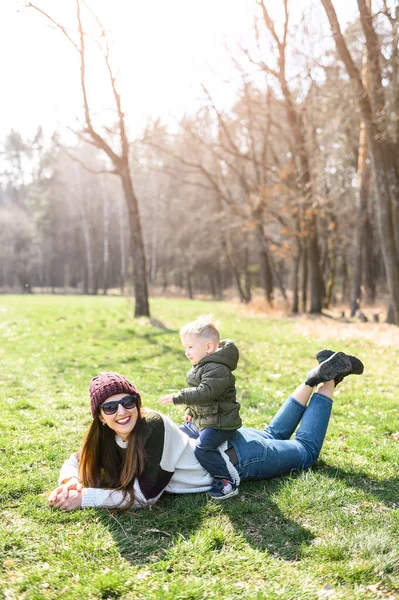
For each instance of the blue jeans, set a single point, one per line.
(207, 453)
(265, 454)
(206, 450)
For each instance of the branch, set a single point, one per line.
(58, 25)
(264, 67)
(94, 171)
(235, 153)
(353, 71)
(220, 119)
(172, 173)
(285, 23)
(269, 23)
(117, 97)
(202, 169)
(373, 52)
(386, 11)
(247, 95)
(99, 141)
(81, 136)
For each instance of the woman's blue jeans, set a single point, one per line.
(265, 454)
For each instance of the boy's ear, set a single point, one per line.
(210, 346)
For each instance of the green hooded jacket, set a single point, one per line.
(211, 397)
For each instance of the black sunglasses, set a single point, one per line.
(110, 408)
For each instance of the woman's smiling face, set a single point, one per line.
(123, 421)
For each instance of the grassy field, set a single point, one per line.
(331, 532)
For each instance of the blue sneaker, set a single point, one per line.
(222, 489)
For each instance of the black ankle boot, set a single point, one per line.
(357, 365)
(338, 364)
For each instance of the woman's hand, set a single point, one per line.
(62, 492)
(71, 484)
(167, 399)
(187, 418)
(71, 501)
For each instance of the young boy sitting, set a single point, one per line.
(211, 398)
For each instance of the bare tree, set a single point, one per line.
(119, 159)
(383, 145)
(300, 151)
(363, 184)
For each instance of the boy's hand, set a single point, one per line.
(167, 399)
(187, 418)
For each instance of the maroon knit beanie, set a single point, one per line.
(105, 385)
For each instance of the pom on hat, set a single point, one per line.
(105, 385)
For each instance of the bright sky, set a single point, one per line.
(165, 49)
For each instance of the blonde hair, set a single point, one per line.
(205, 326)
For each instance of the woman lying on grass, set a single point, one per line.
(131, 455)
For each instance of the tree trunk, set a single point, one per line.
(370, 272)
(120, 161)
(333, 268)
(227, 247)
(89, 279)
(363, 179)
(266, 278)
(295, 278)
(382, 163)
(106, 238)
(122, 247)
(67, 275)
(154, 240)
(85, 284)
(304, 281)
(302, 159)
(344, 288)
(363, 176)
(278, 279)
(316, 282)
(390, 319)
(219, 282)
(142, 308)
(189, 285)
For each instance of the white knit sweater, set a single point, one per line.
(171, 467)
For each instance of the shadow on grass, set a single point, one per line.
(253, 518)
(156, 338)
(385, 491)
(256, 516)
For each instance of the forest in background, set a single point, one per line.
(292, 190)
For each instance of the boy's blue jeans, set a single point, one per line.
(267, 453)
(206, 450)
(208, 455)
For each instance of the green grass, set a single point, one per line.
(336, 525)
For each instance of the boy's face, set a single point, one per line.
(197, 347)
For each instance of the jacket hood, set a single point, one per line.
(227, 354)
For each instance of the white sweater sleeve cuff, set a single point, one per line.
(69, 469)
(102, 498)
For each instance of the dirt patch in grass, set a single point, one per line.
(331, 324)
(380, 334)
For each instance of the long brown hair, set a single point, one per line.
(101, 465)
